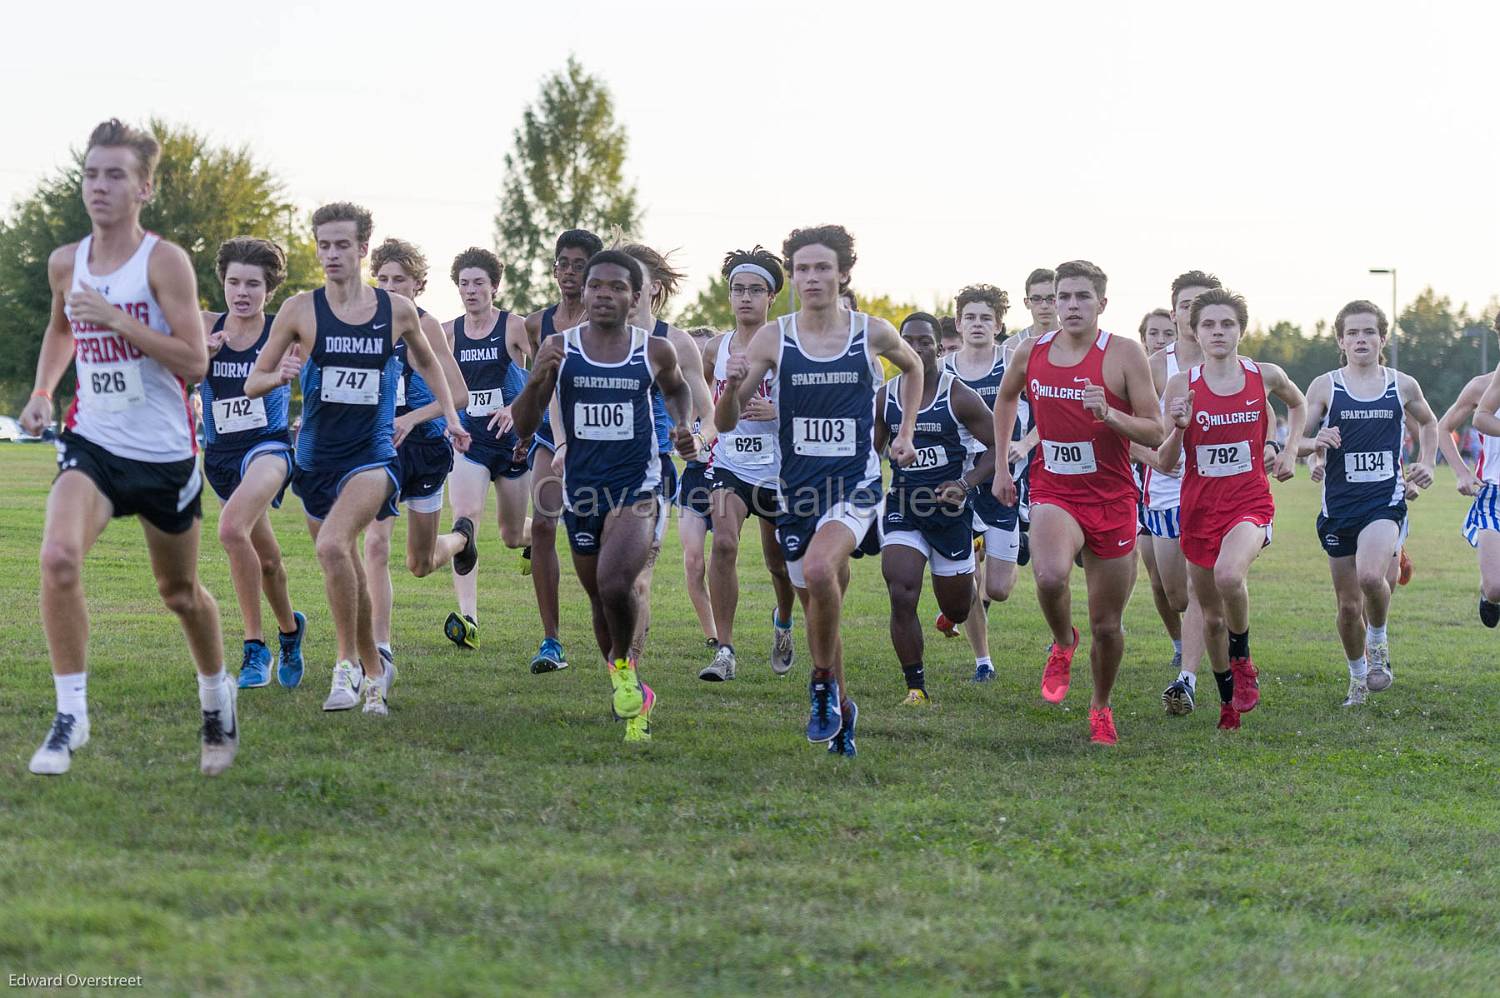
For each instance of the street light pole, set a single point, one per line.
(1394, 346)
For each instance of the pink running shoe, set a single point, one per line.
(1229, 718)
(1102, 727)
(1246, 688)
(1057, 674)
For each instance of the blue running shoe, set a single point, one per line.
(984, 673)
(825, 721)
(255, 669)
(289, 661)
(549, 657)
(843, 742)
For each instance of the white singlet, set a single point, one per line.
(752, 450)
(1488, 468)
(127, 403)
(1165, 491)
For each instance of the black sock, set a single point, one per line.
(255, 641)
(821, 675)
(916, 677)
(1225, 681)
(1239, 644)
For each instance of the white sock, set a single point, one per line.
(983, 663)
(1189, 678)
(73, 694)
(385, 648)
(211, 690)
(1177, 645)
(1358, 669)
(1375, 635)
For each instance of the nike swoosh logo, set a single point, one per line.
(1123, 543)
(379, 325)
(1079, 381)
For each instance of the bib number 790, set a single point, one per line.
(1063, 458)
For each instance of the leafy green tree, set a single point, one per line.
(204, 195)
(565, 171)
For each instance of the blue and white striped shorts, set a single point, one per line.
(1483, 515)
(1164, 522)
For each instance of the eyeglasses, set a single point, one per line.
(1041, 300)
(573, 266)
(747, 291)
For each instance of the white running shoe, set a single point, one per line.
(378, 690)
(221, 735)
(66, 736)
(1379, 680)
(347, 680)
(783, 649)
(1357, 693)
(721, 668)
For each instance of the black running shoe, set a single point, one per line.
(465, 560)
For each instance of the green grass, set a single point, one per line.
(493, 834)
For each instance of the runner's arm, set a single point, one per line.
(1177, 397)
(1278, 384)
(517, 338)
(743, 375)
(1457, 415)
(1319, 397)
(676, 392)
(281, 358)
(1485, 420)
(1007, 401)
(889, 344)
(1143, 423)
(690, 368)
(526, 410)
(57, 346)
(882, 431)
(441, 342)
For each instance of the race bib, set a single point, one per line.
(400, 393)
(1369, 466)
(929, 458)
(351, 385)
(1223, 460)
(823, 437)
(1069, 459)
(239, 414)
(117, 387)
(484, 401)
(752, 448)
(603, 420)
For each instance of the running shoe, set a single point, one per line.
(549, 657)
(983, 673)
(289, 658)
(378, 691)
(348, 679)
(1178, 698)
(462, 630)
(221, 734)
(1380, 678)
(1489, 613)
(825, 720)
(721, 669)
(1357, 693)
(67, 735)
(1102, 727)
(1406, 570)
(916, 698)
(255, 667)
(638, 728)
(627, 697)
(783, 648)
(1023, 552)
(1246, 686)
(468, 557)
(1229, 718)
(1057, 674)
(526, 560)
(843, 742)
(948, 627)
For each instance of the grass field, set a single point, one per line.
(494, 835)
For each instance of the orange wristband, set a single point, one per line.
(42, 393)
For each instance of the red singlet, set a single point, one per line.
(1225, 483)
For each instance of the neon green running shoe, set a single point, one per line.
(638, 728)
(627, 699)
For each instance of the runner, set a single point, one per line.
(823, 360)
(980, 364)
(661, 282)
(423, 457)
(347, 470)
(1220, 417)
(125, 302)
(1158, 331)
(1162, 497)
(949, 336)
(1359, 414)
(247, 456)
(490, 346)
(693, 520)
(1041, 303)
(928, 517)
(570, 258)
(1083, 494)
(1482, 525)
(604, 372)
(745, 473)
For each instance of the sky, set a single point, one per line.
(1289, 148)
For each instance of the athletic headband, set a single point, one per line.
(757, 270)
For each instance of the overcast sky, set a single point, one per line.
(1288, 148)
